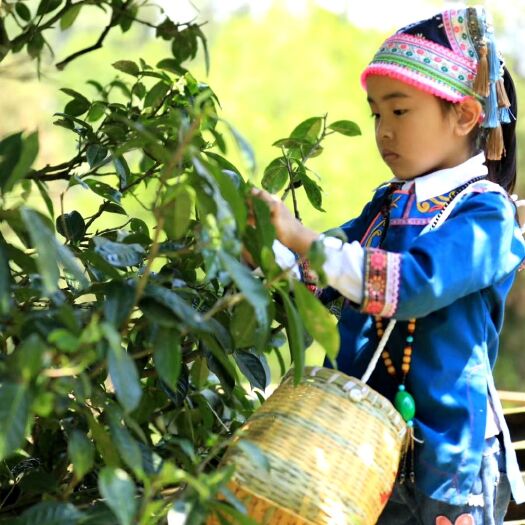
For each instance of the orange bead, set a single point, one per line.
(406, 359)
(408, 351)
(388, 362)
(391, 370)
(385, 354)
(405, 368)
(380, 332)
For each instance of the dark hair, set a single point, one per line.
(501, 171)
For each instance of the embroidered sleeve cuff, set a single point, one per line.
(381, 282)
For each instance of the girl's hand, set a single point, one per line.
(288, 229)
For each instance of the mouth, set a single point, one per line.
(389, 156)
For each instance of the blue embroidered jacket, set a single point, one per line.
(454, 280)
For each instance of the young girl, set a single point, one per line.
(444, 109)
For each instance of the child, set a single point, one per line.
(444, 110)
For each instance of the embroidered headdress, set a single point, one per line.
(452, 55)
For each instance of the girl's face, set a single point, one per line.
(414, 134)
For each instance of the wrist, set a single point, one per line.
(300, 239)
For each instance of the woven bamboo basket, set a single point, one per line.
(333, 447)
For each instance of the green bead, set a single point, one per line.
(405, 405)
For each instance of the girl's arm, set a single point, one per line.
(344, 261)
(476, 247)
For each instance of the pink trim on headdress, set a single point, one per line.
(413, 79)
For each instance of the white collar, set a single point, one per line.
(442, 181)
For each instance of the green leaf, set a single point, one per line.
(123, 171)
(289, 143)
(294, 331)
(249, 285)
(21, 259)
(74, 94)
(69, 17)
(126, 22)
(95, 154)
(265, 229)
(244, 147)
(5, 279)
(44, 243)
(218, 364)
(119, 493)
(23, 11)
(104, 190)
(243, 325)
(178, 208)
(222, 162)
(50, 251)
(177, 306)
(103, 441)
(345, 127)
(156, 94)
(122, 370)
(275, 175)
(127, 446)
(10, 153)
(81, 452)
(254, 367)
(50, 513)
(232, 195)
(127, 66)
(71, 226)
(308, 130)
(313, 192)
(178, 394)
(28, 357)
(167, 356)
(46, 6)
(63, 339)
(79, 105)
(42, 188)
(35, 45)
(115, 208)
(96, 111)
(118, 301)
(321, 325)
(119, 254)
(14, 415)
(28, 154)
(139, 226)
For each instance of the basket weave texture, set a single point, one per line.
(333, 446)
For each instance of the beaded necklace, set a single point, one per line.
(403, 401)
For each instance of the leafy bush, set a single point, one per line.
(129, 354)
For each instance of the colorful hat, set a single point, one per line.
(453, 56)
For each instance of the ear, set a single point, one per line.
(468, 114)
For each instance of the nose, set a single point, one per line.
(383, 129)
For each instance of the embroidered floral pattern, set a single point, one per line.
(426, 65)
(456, 26)
(309, 276)
(464, 519)
(381, 283)
(435, 204)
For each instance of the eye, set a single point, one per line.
(374, 115)
(399, 112)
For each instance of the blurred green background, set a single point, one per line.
(273, 64)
